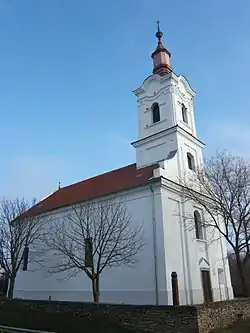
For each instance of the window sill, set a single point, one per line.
(154, 124)
(198, 240)
(191, 170)
(186, 123)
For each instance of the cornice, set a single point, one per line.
(150, 97)
(183, 96)
(190, 136)
(178, 188)
(174, 79)
(150, 78)
(154, 136)
(170, 130)
(171, 185)
(187, 85)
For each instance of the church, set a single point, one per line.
(166, 147)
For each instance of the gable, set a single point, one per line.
(203, 263)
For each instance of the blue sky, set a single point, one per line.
(68, 68)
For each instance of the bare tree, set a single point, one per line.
(222, 188)
(91, 237)
(236, 282)
(18, 237)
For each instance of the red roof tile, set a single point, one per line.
(107, 183)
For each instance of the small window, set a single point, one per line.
(88, 253)
(25, 258)
(198, 225)
(190, 160)
(156, 112)
(184, 113)
(221, 276)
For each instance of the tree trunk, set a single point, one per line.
(11, 287)
(244, 286)
(95, 289)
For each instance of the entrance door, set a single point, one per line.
(206, 283)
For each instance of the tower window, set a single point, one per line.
(198, 225)
(156, 112)
(184, 113)
(190, 160)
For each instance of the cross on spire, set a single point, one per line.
(161, 56)
(158, 34)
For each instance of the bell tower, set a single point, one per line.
(166, 131)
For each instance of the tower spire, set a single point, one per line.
(161, 56)
(158, 34)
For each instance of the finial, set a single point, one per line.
(158, 34)
(161, 56)
(59, 185)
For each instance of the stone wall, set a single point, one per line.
(222, 314)
(158, 319)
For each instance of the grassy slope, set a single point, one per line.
(56, 322)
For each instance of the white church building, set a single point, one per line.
(167, 146)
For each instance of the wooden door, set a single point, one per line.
(207, 288)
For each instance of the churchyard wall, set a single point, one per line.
(158, 319)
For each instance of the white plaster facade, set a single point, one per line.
(170, 245)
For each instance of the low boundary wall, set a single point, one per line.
(158, 319)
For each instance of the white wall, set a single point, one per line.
(187, 256)
(169, 91)
(183, 93)
(176, 250)
(174, 244)
(157, 140)
(189, 146)
(123, 284)
(156, 149)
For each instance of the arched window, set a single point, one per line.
(156, 112)
(184, 113)
(190, 160)
(198, 225)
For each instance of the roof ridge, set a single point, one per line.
(96, 176)
(112, 181)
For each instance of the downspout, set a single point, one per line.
(187, 255)
(154, 246)
(182, 231)
(182, 206)
(224, 267)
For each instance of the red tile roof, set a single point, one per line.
(107, 183)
